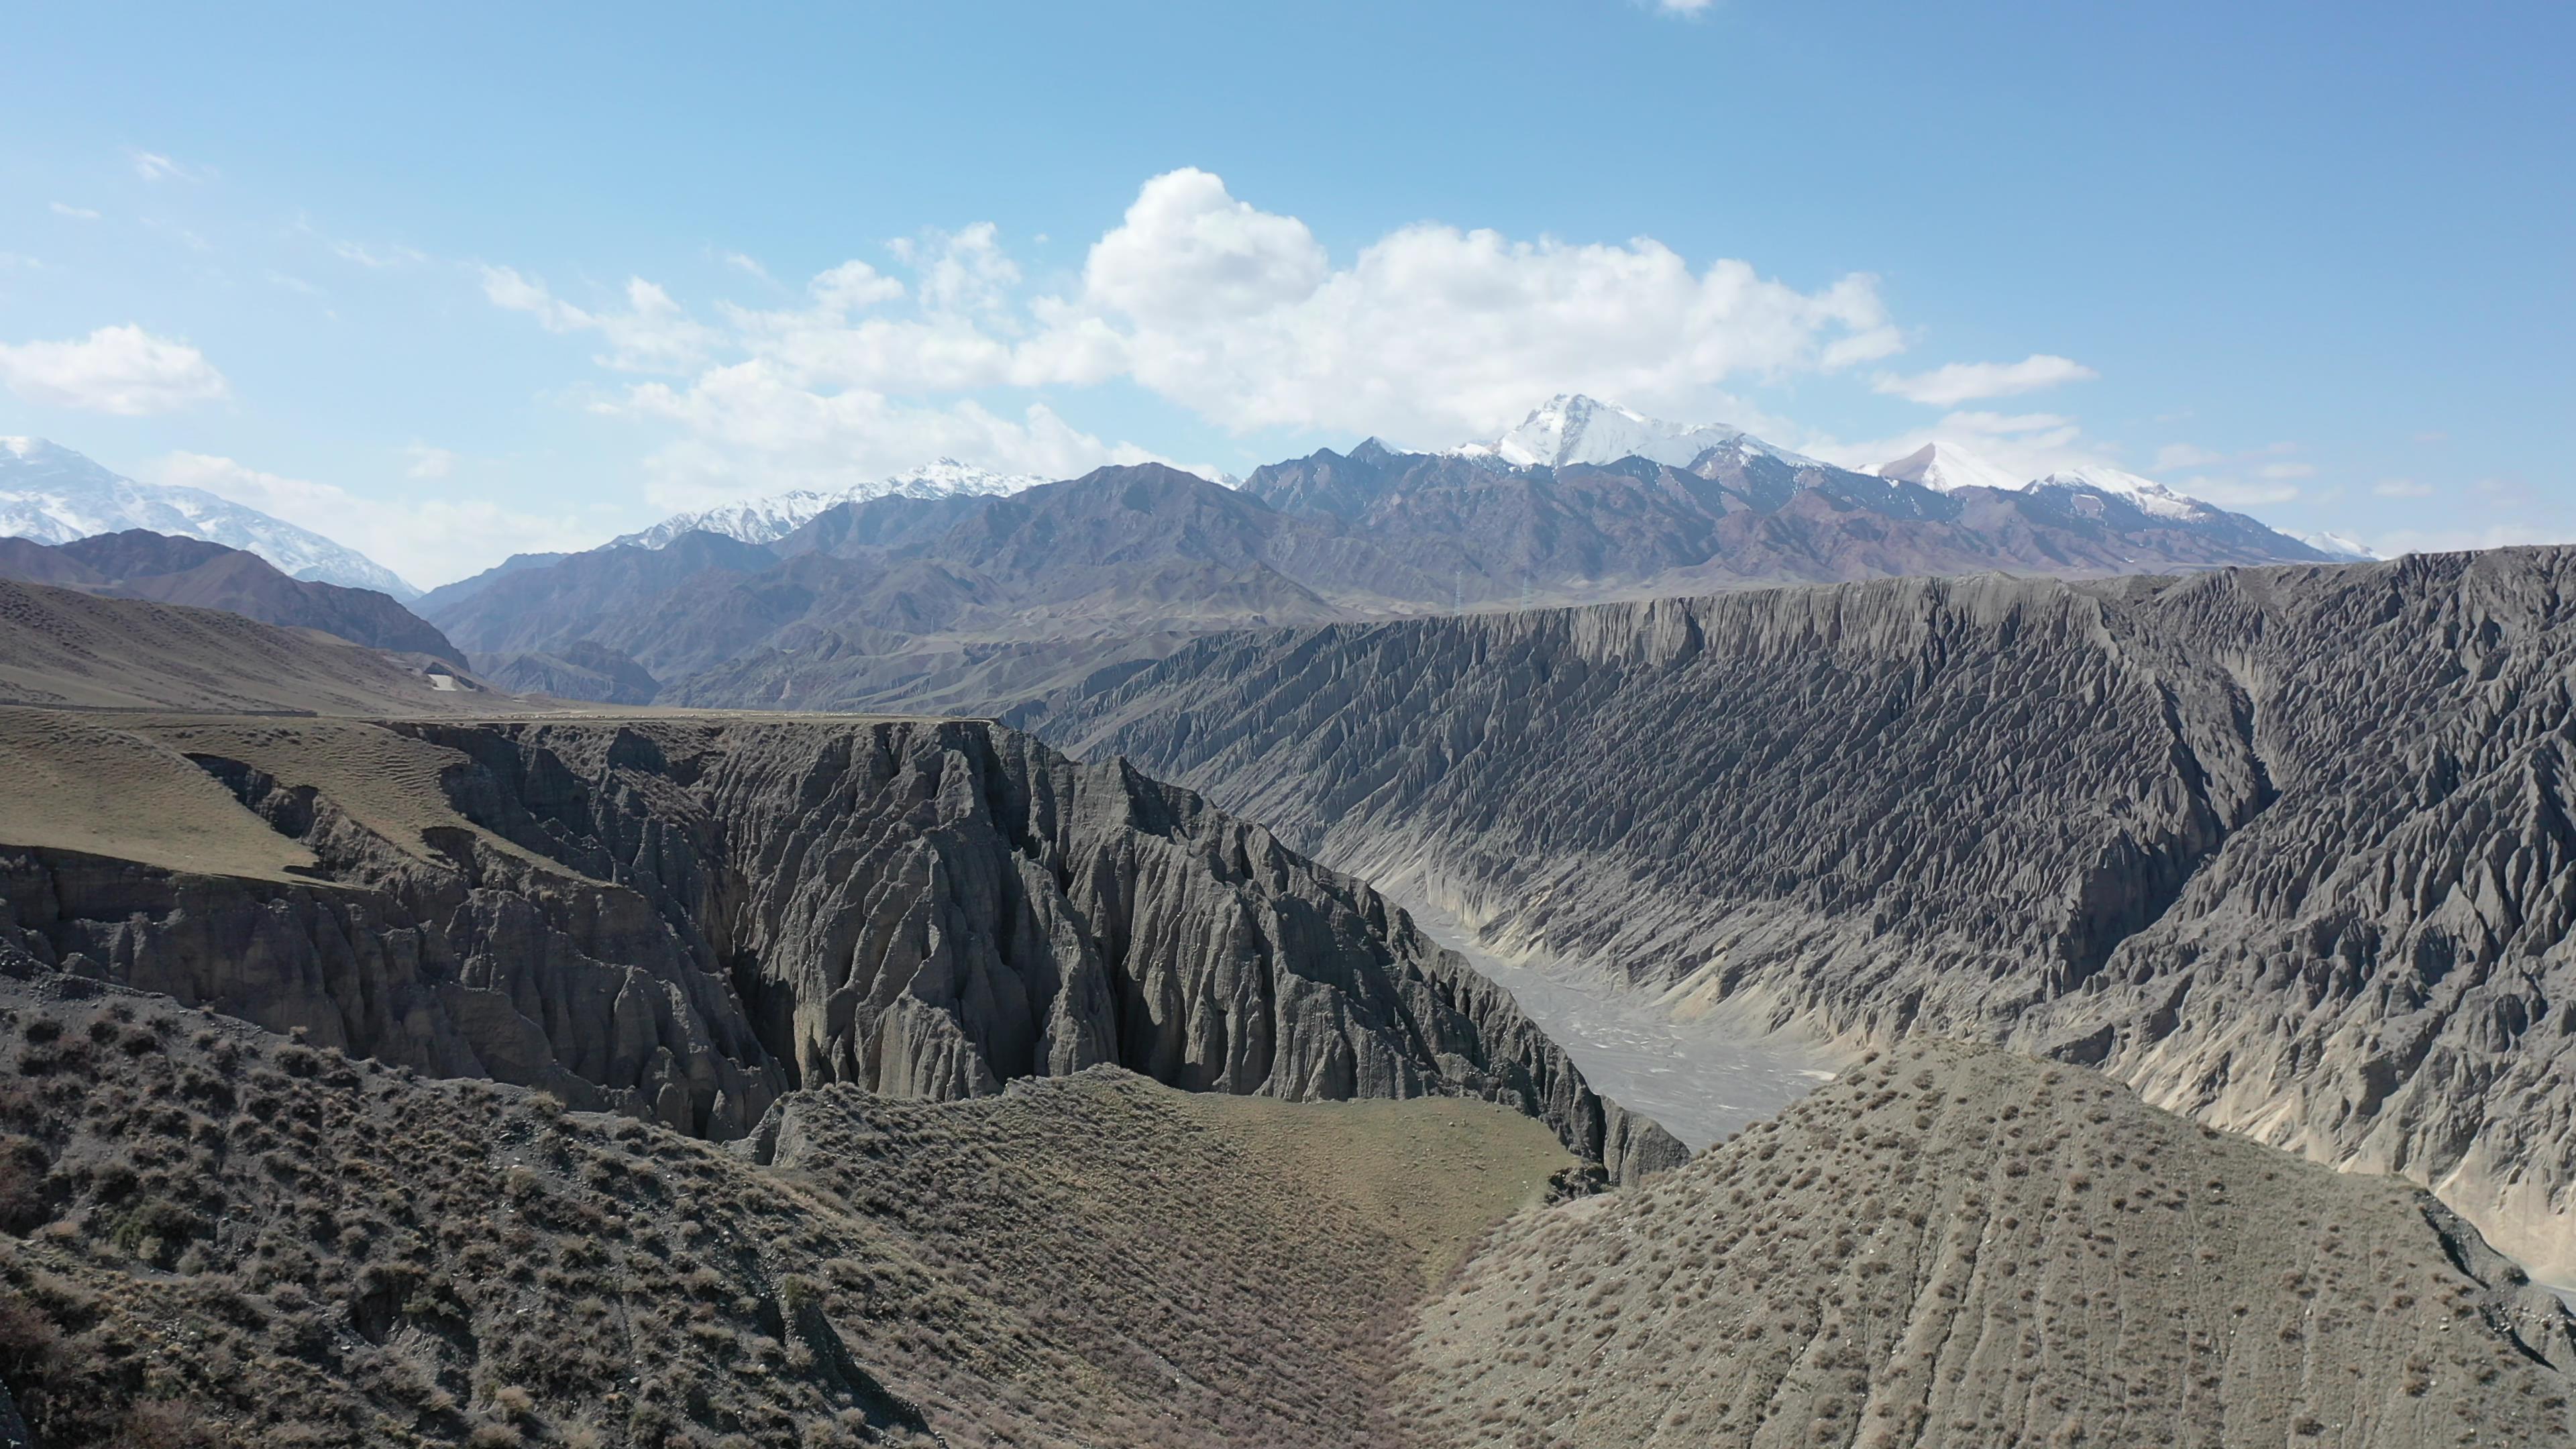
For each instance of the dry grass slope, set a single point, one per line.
(215, 1236)
(66, 649)
(1955, 1247)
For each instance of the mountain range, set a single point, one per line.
(971, 598)
(50, 494)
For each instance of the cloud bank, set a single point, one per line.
(1429, 335)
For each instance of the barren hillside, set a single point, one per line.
(1963, 1248)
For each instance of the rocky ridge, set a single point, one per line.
(2287, 849)
(682, 919)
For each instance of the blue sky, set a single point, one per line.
(450, 282)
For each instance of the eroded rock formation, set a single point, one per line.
(2287, 849)
(685, 918)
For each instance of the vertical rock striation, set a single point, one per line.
(2287, 849)
(686, 918)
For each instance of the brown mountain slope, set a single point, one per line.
(2287, 849)
(65, 647)
(141, 564)
(1957, 1248)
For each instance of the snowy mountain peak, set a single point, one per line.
(1946, 467)
(2342, 548)
(2146, 494)
(1571, 428)
(53, 495)
(766, 520)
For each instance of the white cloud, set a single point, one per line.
(747, 266)
(2401, 488)
(751, 428)
(429, 462)
(1683, 7)
(652, 334)
(1433, 334)
(2286, 470)
(378, 258)
(2449, 540)
(426, 540)
(76, 213)
(961, 272)
(1430, 335)
(2027, 445)
(1959, 382)
(2233, 493)
(2185, 455)
(153, 166)
(123, 370)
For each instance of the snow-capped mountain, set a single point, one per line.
(1943, 467)
(766, 520)
(2148, 495)
(53, 495)
(1572, 428)
(2339, 547)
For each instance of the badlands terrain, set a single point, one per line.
(390, 1058)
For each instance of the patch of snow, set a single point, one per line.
(1945, 466)
(2145, 494)
(1571, 428)
(2337, 546)
(53, 495)
(766, 520)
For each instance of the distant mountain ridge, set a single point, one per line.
(51, 494)
(770, 518)
(140, 564)
(974, 601)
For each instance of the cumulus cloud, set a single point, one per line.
(1433, 334)
(1959, 382)
(123, 370)
(427, 540)
(1430, 335)
(76, 213)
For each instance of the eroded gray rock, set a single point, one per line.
(684, 919)
(2289, 850)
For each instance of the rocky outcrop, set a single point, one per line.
(1966, 1248)
(2288, 849)
(685, 918)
